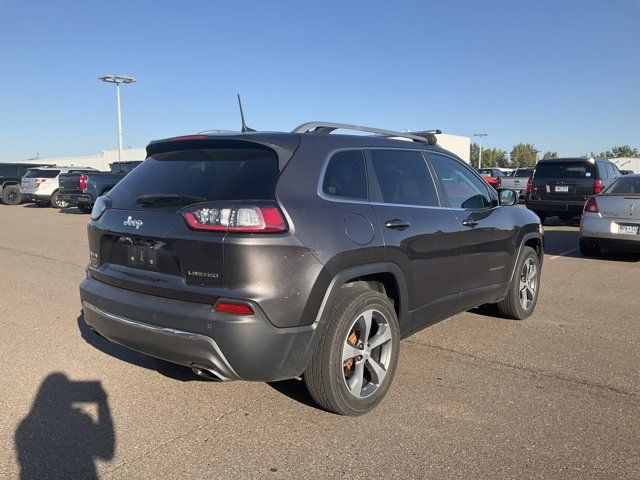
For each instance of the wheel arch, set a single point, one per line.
(531, 239)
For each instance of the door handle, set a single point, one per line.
(397, 224)
(469, 222)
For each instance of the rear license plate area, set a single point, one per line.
(561, 189)
(627, 229)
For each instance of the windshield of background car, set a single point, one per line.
(624, 186)
(565, 170)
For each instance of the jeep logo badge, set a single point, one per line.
(132, 222)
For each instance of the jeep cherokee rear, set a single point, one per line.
(265, 256)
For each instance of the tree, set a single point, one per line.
(550, 154)
(621, 151)
(523, 155)
(494, 157)
(475, 154)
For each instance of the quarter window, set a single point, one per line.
(345, 175)
(462, 187)
(404, 178)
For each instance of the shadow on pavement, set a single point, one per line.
(170, 370)
(58, 438)
(72, 211)
(295, 390)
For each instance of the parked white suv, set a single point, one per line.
(40, 185)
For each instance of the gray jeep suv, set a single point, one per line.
(267, 256)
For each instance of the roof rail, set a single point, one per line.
(328, 127)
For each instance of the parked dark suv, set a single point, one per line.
(561, 186)
(266, 256)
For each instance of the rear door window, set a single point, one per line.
(403, 178)
(35, 173)
(345, 175)
(462, 188)
(237, 173)
(565, 170)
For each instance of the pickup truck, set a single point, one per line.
(83, 189)
(518, 181)
(10, 176)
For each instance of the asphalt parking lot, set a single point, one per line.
(475, 396)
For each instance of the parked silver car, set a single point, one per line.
(40, 185)
(612, 219)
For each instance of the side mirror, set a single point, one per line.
(507, 197)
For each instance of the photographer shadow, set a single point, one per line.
(60, 438)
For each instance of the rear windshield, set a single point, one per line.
(624, 186)
(248, 173)
(35, 173)
(491, 173)
(123, 168)
(522, 173)
(565, 170)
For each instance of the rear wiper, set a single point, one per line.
(168, 199)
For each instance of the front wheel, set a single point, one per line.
(355, 361)
(522, 295)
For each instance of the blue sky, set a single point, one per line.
(564, 75)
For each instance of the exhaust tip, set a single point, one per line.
(206, 372)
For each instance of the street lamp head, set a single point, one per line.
(117, 79)
(480, 134)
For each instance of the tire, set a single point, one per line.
(56, 202)
(589, 248)
(85, 208)
(513, 305)
(542, 215)
(327, 375)
(11, 195)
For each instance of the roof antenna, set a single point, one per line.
(244, 124)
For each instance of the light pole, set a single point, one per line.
(118, 79)
(481, 136)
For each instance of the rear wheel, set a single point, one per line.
(522, 295)
(57, 202)
(356, 358)
(589, 248)
(11, 195)
(85, 208)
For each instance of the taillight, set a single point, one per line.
(247, 219)
(82, 183)
(597, 186)
(591, 206)
(498, 182)
(40, 181)
(530, 185)
(234, 308)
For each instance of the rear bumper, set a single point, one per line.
(76, 198)
(574, 208)
(605, 232)
(194, 335)
(34, 197)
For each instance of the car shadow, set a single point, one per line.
(566, 243)
(170, 370)
(295, 389)
(68, 427)
(31, 205)
(71, 211)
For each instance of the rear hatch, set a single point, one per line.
(570, 181)
(69, 182)
(144, 242)
(621, 200)
(36, 177)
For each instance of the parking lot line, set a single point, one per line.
(553, 257)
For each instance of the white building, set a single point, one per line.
(101, 161)
(627, 163)
(457, 144)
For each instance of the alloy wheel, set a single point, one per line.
(528, 283)
(366, 353)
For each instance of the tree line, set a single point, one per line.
(526, 155)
